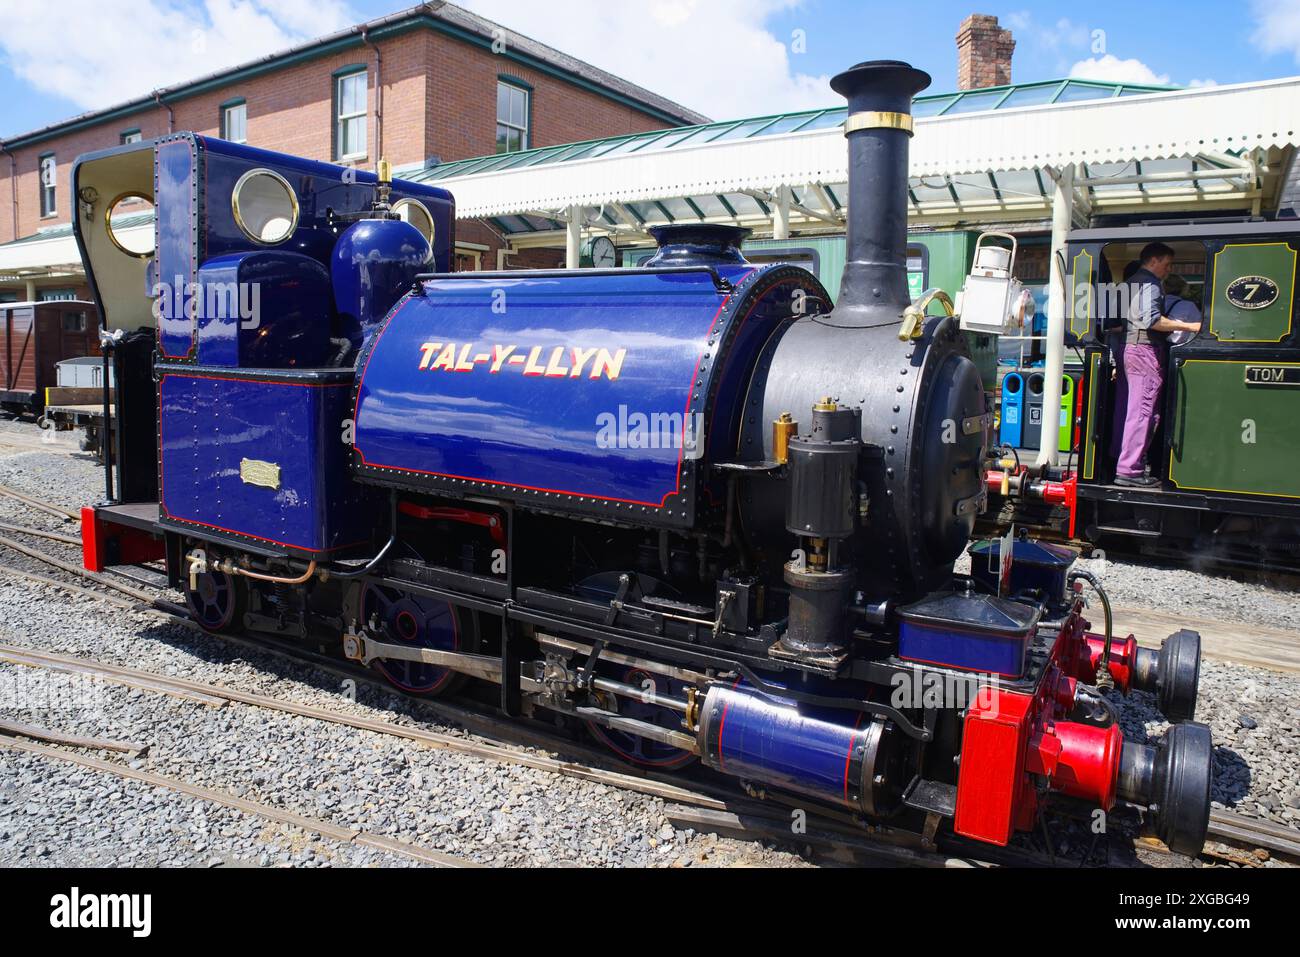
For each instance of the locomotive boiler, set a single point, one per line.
(687, 507)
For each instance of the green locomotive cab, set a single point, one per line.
(1227, 442)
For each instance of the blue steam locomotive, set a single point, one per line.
(688, 506)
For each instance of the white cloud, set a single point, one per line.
(1064, 34)
(1112, 69)
(714, 56)
(1277, 27)
(100, 52)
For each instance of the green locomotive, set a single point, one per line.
(1227, 444)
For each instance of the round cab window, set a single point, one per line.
(417, 214)
(129, 222)
(265, 207)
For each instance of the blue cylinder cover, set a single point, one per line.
(826, 755)
(591, 393)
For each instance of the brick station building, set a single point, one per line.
(430, 84)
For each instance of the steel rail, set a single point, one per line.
(41, 533)
(57, 510)
(30, 657)
(72, 569)
(344, 835)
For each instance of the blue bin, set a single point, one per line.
(1013, 409)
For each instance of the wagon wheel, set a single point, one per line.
(217, 601)
(420, 622)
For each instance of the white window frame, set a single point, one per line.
(51, 186)
(225, 121)
(341, 119)
(525, 134)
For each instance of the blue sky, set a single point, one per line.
(726, 58)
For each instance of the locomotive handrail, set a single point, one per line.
(914, 314)
(720, 282)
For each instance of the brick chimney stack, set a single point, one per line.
(983, 53)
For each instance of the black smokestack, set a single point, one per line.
(874, 288)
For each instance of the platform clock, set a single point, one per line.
(598, 253)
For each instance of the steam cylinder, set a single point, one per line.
(921, 401)
(846, 759)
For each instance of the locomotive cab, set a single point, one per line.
(1227, 416)
(233, 333)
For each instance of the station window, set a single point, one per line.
(55, 295)
(49, 173)
(512, 117)
(350, 116)
(234, 122)
(130, 136)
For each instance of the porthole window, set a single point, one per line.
(129, 222)
(265, 206)
(417, 214)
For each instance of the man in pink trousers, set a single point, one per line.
(1142, 368)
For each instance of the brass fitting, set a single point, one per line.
(784, 428)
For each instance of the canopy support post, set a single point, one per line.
(573, 238)
(781, 214)
(1054, 365)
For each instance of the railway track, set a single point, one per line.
(700, 806)
(268, 812)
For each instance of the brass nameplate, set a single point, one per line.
(1276, 377)
(257, 472)
(1252, 292)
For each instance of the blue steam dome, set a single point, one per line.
(374, 263)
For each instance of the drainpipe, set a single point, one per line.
(379, 94)
(171, 116)
(13, 185)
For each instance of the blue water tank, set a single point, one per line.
(263, 309)
(374, 263)
(1013, 409)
